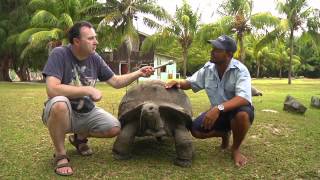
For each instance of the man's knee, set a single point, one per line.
(59, 114)
(59, 108)
(115, 131)
(197, 134)
(242, 117)
(241, 121)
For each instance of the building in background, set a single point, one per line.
(119, 59)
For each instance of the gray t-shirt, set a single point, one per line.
(63, 65)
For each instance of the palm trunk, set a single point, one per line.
(129, 62)
(185, 54)
(258, 69)
(23, 73)
(242, 51)
(4, 69)
(291, 54)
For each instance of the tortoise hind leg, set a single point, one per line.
(122, 147)
(184, 148)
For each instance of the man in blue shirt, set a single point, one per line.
(227, 83)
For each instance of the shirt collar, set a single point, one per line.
(234, 63)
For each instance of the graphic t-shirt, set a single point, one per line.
(63, 65)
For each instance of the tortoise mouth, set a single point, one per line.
(156, 133)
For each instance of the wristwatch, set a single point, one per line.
(220, 107)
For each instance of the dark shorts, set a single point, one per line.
(224, 120)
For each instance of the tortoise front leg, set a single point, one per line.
(184, 148)
(122, 147)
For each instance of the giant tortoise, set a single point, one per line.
(149, 109)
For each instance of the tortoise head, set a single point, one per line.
(150, 115)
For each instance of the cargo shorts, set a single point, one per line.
(97, 120)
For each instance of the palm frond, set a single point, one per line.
(158, 12)
(43, 37)
(156, 40)
(38, 4)
(264, 20)
(212, 31)
(44, 18)
(25, 36)
(151, 23)
(65, 21)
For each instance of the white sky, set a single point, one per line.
(208, 9)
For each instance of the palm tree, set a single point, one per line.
(50, 23)
(13, 19)
(238, 18)
(296, 12)
(118, 17)
(241, 11)
(180, 29)
(308, 48)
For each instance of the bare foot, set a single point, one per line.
(63, 170)
(225, 141)
(239, 159)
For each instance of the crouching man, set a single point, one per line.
(227, 83)
(71, 73)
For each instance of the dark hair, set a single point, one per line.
(74, 31)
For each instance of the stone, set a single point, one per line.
(293, 105)
(315, 102)
(255, 92)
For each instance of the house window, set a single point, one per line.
(123, 68)
(163, 69)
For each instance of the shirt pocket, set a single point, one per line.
(230, 88)
(211, 86)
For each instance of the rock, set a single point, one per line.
(292, 105)
(315, 102)
(255, 92)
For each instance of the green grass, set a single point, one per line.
(278, 146)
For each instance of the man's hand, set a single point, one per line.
(210, 118)
(94, 93)
(171, 84)
(146, 71)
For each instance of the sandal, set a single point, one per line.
(84, 149)
(57, 166)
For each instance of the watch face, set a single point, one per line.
(220, 107)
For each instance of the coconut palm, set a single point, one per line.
(50, 23)
(238, 18)
(13, 19)
(296, 12)
(308, 49)
(181, 29)
(118, 17)
(241, 11)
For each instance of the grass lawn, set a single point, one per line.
(279, 145)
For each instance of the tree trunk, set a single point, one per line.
(258, 69)
(242, 51)
(280, 72)
(23, 73)
(129, 62)
(291, 54)
(185, 54)
(4, 69)
(129, 51)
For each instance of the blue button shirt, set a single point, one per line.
(236, 81)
